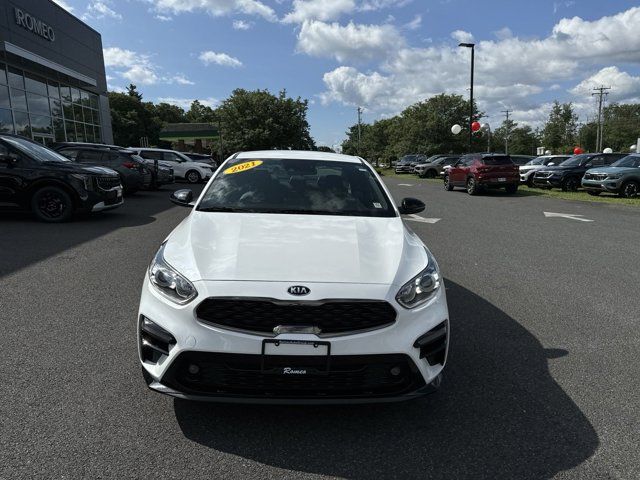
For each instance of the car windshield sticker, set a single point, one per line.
(242, 167)
(377, 205)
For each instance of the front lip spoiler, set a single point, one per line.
(421, 392)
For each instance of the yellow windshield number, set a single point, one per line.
(242, 167)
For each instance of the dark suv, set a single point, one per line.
(134, 174)
(477, 171)
(569, 173)
(33, 177)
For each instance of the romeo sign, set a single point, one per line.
(34, 25)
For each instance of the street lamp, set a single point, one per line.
(472, 47)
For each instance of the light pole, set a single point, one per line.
(472, 47)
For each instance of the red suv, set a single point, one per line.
(477, 171)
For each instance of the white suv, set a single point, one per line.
(293, 279)
(528, 170)
(183, 166)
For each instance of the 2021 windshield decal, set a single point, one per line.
(242, 167)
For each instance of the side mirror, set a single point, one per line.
(184, 198)
(411, 205)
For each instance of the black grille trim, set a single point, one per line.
(259, 316)
(107, 183)
(240, 375)
(433, 344)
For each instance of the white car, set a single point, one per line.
(293, 279)
(183, 167)
(530, 168)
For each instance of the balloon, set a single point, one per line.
(485, 127)
(607, 150)
(577, 151)
(456, 129)
(633, 148)
(475, 126)
(547, 152)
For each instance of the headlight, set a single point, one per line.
(85, 180)
(422, 287)
(168, 281)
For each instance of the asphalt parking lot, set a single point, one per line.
(542, 381)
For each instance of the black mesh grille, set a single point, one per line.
(263, 315)
(226, 374)
(107, 183)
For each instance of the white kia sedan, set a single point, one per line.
(293, 280)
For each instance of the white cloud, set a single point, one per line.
(138, 68)
(318, 10)
(223, 59)
(216, 8)
(64, 5)
(461, 36)
(163, 18)
(242, 25)
(624, 87)
(352, 42)
(181, 79)
(503, 33)
(509, 71)
(99, 10)
(370, 5)
(185, 103)
(414, 24)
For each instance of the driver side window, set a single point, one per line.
(595, 162)
(171, 157)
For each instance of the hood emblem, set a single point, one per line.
(298, 290)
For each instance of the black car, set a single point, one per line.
(134, 174)
(202, 158)
(406, 163)
(33, 177)
(161, 174)
(569, 173)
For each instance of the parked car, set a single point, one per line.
(569, 173)
(418, 167)
(521, 159)
(134, 174)
(408, 162)
(352, 309)
(36, 178)
(202, 158)
(161, 174)
(183, 166)
(622, 177)
(528, 169)
(477, 171)
(435, 168)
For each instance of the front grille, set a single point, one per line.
(542, 175)
(107, 183)
(261, 316)
(227, 374)
(595, 176)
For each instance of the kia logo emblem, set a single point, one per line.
(298, 290)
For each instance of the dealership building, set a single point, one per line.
(53, 86)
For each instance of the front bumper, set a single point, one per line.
(547, 181)
(228, 360)
(611, 186)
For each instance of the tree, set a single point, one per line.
(259, 120)
(168, 113)
(522, 139)
(621, 126)
(132, 91)
(559, 133)
(199, 113)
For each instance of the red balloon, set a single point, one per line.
(475, 126)
(577, 151)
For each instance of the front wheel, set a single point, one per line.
(571, 184)
(472, 186)
(447, 184)
(52, 204)
(630, 189)
(192, 176)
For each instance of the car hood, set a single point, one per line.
(559, 168)
(295, 248)
(619, 170)
(200, 164)
(72, 167)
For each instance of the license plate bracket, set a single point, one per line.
(319, 353)
(502, 179)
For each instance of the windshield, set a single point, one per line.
(313, 187)
(536, 161)
(433, 158)
(492, 161)
(575, 160)
(630, 161)
(35, 150)
(408, 159)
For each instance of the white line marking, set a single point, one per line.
(405, 184)
(418, 218)
(570, 216)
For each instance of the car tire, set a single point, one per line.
(431, 174)
(630, 189)
(472, 186)
(52, 204)
(511, 189)
(593, 193)
(447, 185)
(193, 176)
(570, 184)
(530, 181)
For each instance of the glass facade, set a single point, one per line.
(46, 110)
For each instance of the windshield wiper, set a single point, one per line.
(301, 211)
(224, 209)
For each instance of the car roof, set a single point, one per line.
(299, 155)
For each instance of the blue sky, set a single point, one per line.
(381, 54)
